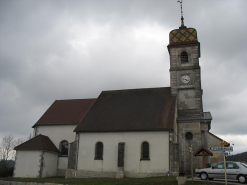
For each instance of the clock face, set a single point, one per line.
(185, 79)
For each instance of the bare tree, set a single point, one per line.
(6, 146)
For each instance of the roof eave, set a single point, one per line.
(52, 124)
(139, 130)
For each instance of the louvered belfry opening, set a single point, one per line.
(184, 57)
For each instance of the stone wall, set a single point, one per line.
(110, 174)
(95, 174)
(70, 173)
(25, 183)
(72, 155)
(191, 69)
(174, 159)
(61, 173)
(199, 139)
(215, 141)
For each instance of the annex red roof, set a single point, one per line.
(66, 112)
(39, 142)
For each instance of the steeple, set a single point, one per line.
(183, 35)
(182, 17)
(185, 82)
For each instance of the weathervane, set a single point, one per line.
(182, 18)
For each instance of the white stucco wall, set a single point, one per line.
(49, 164)
(27, 164)
(58, 133)
(158, 146)
(62, 162)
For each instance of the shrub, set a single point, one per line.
(5, 170)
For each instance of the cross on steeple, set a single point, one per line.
(182, 18)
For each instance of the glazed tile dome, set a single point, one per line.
(183, 35)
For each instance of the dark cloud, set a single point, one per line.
(76, 49)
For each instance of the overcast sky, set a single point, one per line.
(74, 49)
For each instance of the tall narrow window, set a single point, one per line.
(184, 57)
(64, 148)
(99, 151)
(145, 151)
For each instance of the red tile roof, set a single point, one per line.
(66, 112)
(131, 110)
(39, 142)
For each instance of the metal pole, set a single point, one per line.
(225, 169)
(192, 168)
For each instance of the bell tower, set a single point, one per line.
(185, 75)
(185, 83)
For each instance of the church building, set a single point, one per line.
(127, 133)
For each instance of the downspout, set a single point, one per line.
(169, 153)
(41, 164)
(76, 165)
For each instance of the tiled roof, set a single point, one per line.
(183, 34)
(66, 112)
(131, 110)
(216, 136)
(202, 149)
(39, 142)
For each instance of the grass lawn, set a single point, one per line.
(107, 181)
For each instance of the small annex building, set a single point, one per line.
(126, 133)
(36, 158)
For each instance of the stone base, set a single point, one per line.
(174, 174)
(95, 174)
(181, 180)
(120, 173)
(61, 173)
(143, 174)
(70, 173)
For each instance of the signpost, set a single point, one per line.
(225, 169)
(224, 143)
(221, 148)
(225, 146)
(224, 153)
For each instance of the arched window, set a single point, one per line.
(184, 57)
(64, 148)
(99, 151)
(145, 151)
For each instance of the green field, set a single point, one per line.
(107, 181)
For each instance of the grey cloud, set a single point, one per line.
(47, 52)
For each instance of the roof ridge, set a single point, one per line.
(135, 89)
(29, 140)
(44, 113)
(215, 136)
(76, 99)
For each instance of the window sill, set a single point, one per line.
(145, 159)
(63, 156)
(98, 159)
